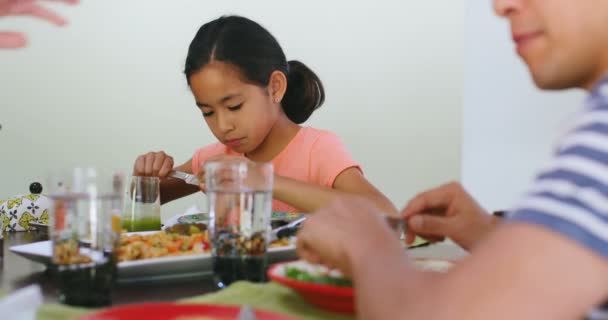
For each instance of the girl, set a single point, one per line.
(254, 101)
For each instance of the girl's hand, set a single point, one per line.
(13, 40)
(153, 164)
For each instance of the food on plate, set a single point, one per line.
(322, 278)
(187, 239)
(187, 228)
(163, 243)
(303, 271)
(281, 242)
(234, 244)
(68, 252)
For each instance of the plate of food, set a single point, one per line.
(173, 311)
(329, 289)
(277, 217)
(182, 250)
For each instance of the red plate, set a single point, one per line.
(328, 297)
(332, 298)
(170, 311)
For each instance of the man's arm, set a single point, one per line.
(521, 271)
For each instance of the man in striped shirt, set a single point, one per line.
(549, 260)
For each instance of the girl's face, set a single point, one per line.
(239, 114)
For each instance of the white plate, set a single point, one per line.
(155, 268)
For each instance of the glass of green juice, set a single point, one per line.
(142, 205)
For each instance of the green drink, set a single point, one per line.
(143, 224)
(142, 207)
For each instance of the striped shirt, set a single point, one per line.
(570, 194)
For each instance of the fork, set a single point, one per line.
(274, 234)
(247, 313)
(187, 177)
(398, 224)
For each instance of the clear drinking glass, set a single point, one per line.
(142, 205)
(239, 205)
(85, 231)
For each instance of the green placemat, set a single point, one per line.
(266, 296)
(55, 311)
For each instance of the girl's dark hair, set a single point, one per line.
(248, 46)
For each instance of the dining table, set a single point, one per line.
(17, 272)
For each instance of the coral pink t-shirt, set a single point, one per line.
(313, 156)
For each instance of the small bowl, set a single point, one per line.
(328, 297)
(334, 298)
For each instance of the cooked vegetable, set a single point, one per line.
(186, 239)
(229, 243)
(187, 228)
(322, 277)
(180, 239)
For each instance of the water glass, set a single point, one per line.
(85, 231)
(239, 205)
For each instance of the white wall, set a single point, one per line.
(509, 126)
(109, 86)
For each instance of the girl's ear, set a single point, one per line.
(277, 86)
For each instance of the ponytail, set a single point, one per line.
(305, 92)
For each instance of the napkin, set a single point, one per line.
(22, 304)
